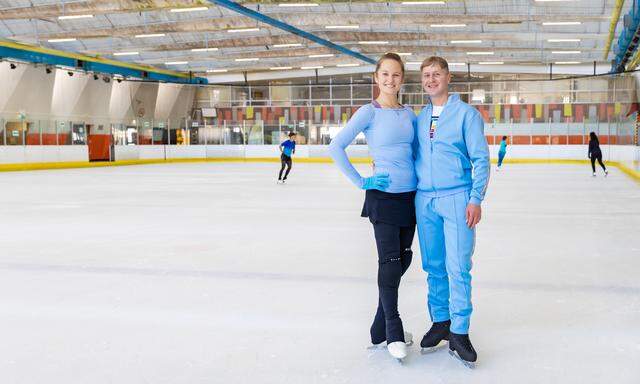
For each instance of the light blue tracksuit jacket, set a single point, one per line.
(453, 171)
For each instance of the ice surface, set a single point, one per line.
(213, 273)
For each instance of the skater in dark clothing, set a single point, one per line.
(287, 150)
(595, 154)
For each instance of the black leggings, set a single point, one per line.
(593, 162)
(394, 257)
(286, 161)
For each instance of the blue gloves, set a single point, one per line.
(379, 182)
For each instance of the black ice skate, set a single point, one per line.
(460, 347)
(432, 340)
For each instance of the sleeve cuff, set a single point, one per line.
(474, 200)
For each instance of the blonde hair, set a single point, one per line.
(429, 61)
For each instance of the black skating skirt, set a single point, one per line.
(390, 208)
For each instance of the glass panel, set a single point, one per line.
(79, 134)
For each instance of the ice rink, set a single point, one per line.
(212, 273)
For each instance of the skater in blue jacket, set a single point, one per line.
(502, 152)
(452, 166)
(390, 192)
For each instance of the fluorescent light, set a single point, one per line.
(323, 55)
(287, 45)
(491, 62)
(176, 63)
(563, 40)
(448, 25)
(150, 35)
(249, 59)
(466, 41)
(192, 9)
(314, 67)
(372, 42)
(479, 53)
(125, 53)
(217, 70)
(456, 64)
(342, 26)
(60, 40)
(204, 49)
(423, 3)
(562, 23)
(243, 30)
(566, 52)
(404, 53)
(298, 5)
(348, 65)
(567, 62)
(71, 17)
(280, 68)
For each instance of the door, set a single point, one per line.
(99, 144)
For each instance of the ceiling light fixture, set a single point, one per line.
(567, 62)
(466, 41)
(564, 40)
(372, 42)
(287, 45)
(280, 68)
(348, 65)
(72, 17)
(322, 55)
(298, 5)
(562, 23)
(125, 53)
(60, 40)
(176, 63)
(423, 2)
(566, 52)
(249, 59)
(479, 53)
(217, 70)
(491, 62)
(192, 9)
(448, 25)
(313, 67)
(204, 49)
(240, 30)
(342, 26)
(150, 35)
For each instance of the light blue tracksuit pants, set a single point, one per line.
(446, 245)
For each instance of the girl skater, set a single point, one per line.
(595, 154)
(389, 129)
(502, 151)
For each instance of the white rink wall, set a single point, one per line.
(625, 154)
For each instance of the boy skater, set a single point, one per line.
(287, 149)
(452, 165)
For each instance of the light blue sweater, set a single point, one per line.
(444, 164)
(390, 136)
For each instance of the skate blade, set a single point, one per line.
(383, 345)
(377, 346)
(429, 350)
(468, 364)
